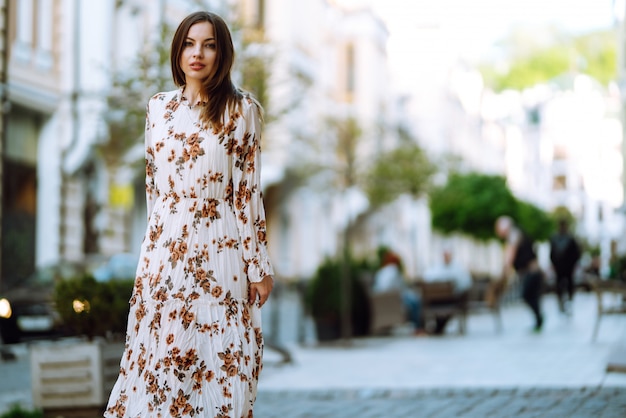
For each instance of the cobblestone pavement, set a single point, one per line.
(560, 373)
(472, 403)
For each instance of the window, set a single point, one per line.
(44, 34)
(260, 15)
(559, 183)
(23, 45)
(350, 68)
(560, 152)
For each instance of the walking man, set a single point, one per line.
(564, 254)
(519, 254)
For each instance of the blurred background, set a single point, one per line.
(408, 125)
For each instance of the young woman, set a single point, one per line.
(194, 343)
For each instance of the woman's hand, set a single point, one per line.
(261, 290)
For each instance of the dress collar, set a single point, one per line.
(183, 100)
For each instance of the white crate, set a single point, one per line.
(74, 373)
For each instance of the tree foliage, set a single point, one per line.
(128, 97)
(539, 67)
(471, 203)
(598, 53)
(534, 221)
(254, 66)
(405, 169)
(592, 54)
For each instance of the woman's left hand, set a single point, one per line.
(261, 289)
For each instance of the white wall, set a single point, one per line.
(48, 193)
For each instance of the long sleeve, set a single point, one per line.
(151, 191)
(247, 196)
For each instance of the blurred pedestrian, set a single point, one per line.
(448, 270)
(389, 277)
(194, 342)
(520, 256)
(564, 255)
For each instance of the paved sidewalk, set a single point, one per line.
(561, 356)
(558, 373)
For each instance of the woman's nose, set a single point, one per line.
(197, 51)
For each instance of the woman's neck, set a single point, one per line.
(193, 93)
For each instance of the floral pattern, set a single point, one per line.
(194, 343)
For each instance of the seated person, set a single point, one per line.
(448, 270)
(389, 277)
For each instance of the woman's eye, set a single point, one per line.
(210, 46)
(187, 43)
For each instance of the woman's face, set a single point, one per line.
(198, 56)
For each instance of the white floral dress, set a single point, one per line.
(194, 343)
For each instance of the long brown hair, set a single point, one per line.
(218, 87)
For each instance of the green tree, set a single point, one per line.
(536, 222)
(131, 88)
(471, 203)
(563, 213)
(530, 62)
(406, 169)
(254, 65)
(347, 133)
(598, 55)
(538, 67)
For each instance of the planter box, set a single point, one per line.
(74, 373)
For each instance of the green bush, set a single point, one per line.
(617, 268)
(323, 296)
(91, 308)
(17, 411)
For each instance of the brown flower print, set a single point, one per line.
(186, 317)
(203, 279)
(172, 105)
(216, 292)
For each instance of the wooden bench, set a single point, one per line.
(387, 311)
(440, 299)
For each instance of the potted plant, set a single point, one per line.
(18, 411)
(323, 299)
(91, 308)
(80, 372)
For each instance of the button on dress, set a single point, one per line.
(194, 343)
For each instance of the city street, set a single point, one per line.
(330, 158)
(558, 373)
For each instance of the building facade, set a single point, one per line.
(65, 200)
(321, 70)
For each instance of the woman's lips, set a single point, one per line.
(196, 66)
